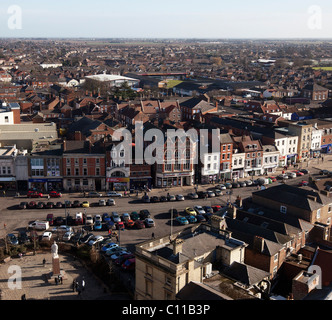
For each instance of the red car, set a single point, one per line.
(120, 225)
(303, 183)
(139, 224)
(216, 208)
(273, 179)
(299, 173)
(34, 194)
(129, 265)
(55, 194)
(32, 205)
(129, 223)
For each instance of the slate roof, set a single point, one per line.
(245, 274)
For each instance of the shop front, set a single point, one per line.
(140, 183)
(45, 185)
(327, 148)
(174, 179)
(8, 183)
(117, 184)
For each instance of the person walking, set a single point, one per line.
(44, 262)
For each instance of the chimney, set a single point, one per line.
(258, 244)
(231, 211)
(177, 246)
(64, 145)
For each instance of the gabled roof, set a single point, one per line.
(323, 259)
(245, 274)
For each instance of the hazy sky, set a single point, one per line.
(169, 19)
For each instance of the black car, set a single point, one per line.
(58, 205)
(202, 194)
(23, 205)
(70, 221)
(144, 214)
(146, 199)
(163, 199)
(59, 221)
(154, 199)
(40, 205)
(76, 204)
(49, 205)
(305, 171)
(236, 185)
(76, 237)
(23, 237)
(68, 204)
(86, 238)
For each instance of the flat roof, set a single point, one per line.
(110, 77)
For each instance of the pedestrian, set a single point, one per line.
(83, 284)
(56, 280)
(23, 297)
(152, 235)
(4, 226)
(61, 279)
(44, 262)
(74, 286)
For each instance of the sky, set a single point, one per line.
(166, 19)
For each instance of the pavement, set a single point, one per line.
(36, 283)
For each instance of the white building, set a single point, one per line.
(210, 167)
(288, 147)
(114, 80)
(271, 157)
(316, 142)
(238, 161)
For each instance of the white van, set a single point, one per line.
(40, 225)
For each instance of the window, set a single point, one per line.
(9, 170)
(85, 161)
(283, 209)
(6, 119)
(97, 171)
(330, 208)
(68, 172)
(85, 171)
(275, 258)
(318, 214)
(77, 171)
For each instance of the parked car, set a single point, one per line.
(102, 202)
(303, 183)
(199, 210)
(34, 194)
(146, 199)
(283, 176)
(46, 236)
(40, 205)
(191, 218)
(50, 219)
(85, 204)
(216, 208)
(200, 218)
(106, 217)
(95, 239)
(110, 202)
(305, 171)
(113, 194)
(98, 225)
(109, 246)
(298, 173)
(221, 187)
(236, 185)
(163, 199)
(125, 217)
(139, 224)
(115, 217)
(193, 195)
(144, 214)
(208, 209)
(291, 175)
(149, 223)
(190, 211)
(179, 197)
(134, 216)
(49, 205)
(228, 185)
(58, 205)
(121, 259)
(217, 192)
(120, 225)
(94, 194)
(67, 204)
(248, 183)
(242, 184)
(68, 235)
(181, 220)
(55, 194)
(128, 265)
(58, 221)
(154, 199)
(171, 197)
(86, 238)
(118, 254)
(31, 205)
(274, 179)
(98, 218)
(324, 172)
(23, 237)
(76, 204)
(129, 223)
(111, 251)
(12, 239)
(211, 194)
(23, 205)
(62, 229)
(76, 237)
(89, 220)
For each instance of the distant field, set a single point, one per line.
(323, 68)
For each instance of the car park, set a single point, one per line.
(85, 204)
(12, 239)
(179, 197)
(199, 210)
(113, 194)
(181, 220)
(23, 205)
(55, 194)
(94, 194)
(110, 202)
(46, 236)
(149, 223)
